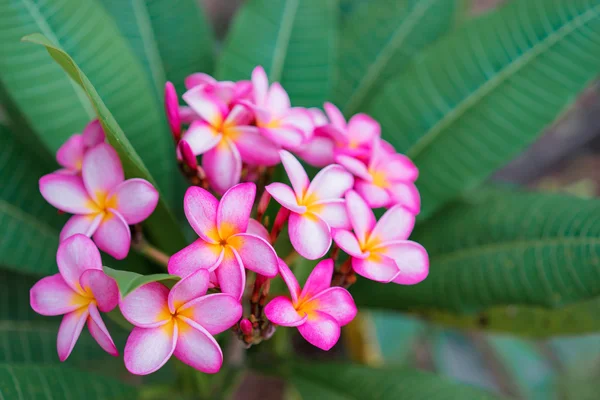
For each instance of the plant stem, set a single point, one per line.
(151, 252)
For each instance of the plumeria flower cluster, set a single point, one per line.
(230, 137)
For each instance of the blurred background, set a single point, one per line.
(565, 159)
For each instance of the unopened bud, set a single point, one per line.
(187, 155)
(172, 110)
(246, 326)
(263, 203)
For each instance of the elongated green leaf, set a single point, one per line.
(55, 106)
(347, 381)
(14, 298)
(485, 92)
(162, 225)
(35, 382)
(129, 281)
(172, 39)
(504, 248)
(294, 40)
(379, 39)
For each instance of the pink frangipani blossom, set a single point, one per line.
(318, 149)
(104, 203)
(226, 244)
(380, 250)
(79, 291)
(315, 207)
(386, 179)
(178, 322)
(318, 310)
(70, 154)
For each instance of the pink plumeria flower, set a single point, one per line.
(319, 149)
(79, 291)
(226, 245)
(283, 124)
(314, 207)
(379, 250)
(230, 92)
(179, 322)
(225, 138)
(104, 203)
(70, 154)
(318, 310)
(386, 179)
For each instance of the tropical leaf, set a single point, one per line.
(54, 105)
(172, 39)
(378, 39)
(162, 225)
(503, 248)
(33, 382)
(294, 40)
(483, 93)
(348, 381)
(14, 298)
(129, 281)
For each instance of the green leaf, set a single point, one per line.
(33, 382)
(55, 106)
(378, 40)
(14, 298)
(482, 94)
(162, 225)
(172, 39)
(503, 248)
(129, 281)
(348, 381)
(294, 40)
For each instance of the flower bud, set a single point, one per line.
(172, 110)
(246, 326)
(187, 155)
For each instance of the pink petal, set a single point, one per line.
(319, 279)
(286, 135)
(299, 118)
(278, 100)
(82, 224)
(198, 255)
(147, 306)
(401, 168)
(375, 196)
(290, 280)
(188, 115)
(67, 193)
(411, 259)
(318, 151)
(240, 115)
(396, 224)
(101, 171)
(69, 331)
(200, 209)
(336, 302)
(198, 78)
(102, 287)
(347, 242)
(208, 106)
(295, 173)
(113, 235)
(188, 289)
(261, 85)
(362, 129)
(332, 182)
(335, 116)
(148, 349)
(318, 117)
(242, 90)
(257, 229)
(309, 234)
(281, 311)
(135, 200)
(201, 137)
(285, 196)
(215, 312)
(256, 254)
(320, 330)
(74, 256)
(231, 274)
(172, 110)
(70, 154)
(234, 209)
(52, 296)
(407, 195)
(361, 216)
(197, 348)
(254, 148)
(355, 167)
(93, 134)
(333, 212)
(223, 166)
(376, 267)
(99, 331)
